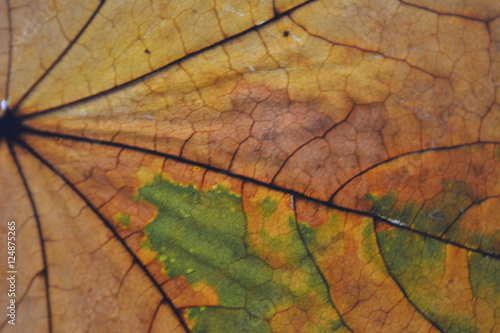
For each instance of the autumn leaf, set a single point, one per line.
(250, 166)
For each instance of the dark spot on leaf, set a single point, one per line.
(147, 51)
(286, 33)
(10, 126)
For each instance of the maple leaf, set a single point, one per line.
(250, 166)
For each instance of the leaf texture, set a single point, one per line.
(251, 166)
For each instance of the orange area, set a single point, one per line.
(4, 50)
(310, 110)
(440, 192)
(349, 149)
(369, 300)
(128, 40)
(185, 295)
(444, 281)
(93, 283)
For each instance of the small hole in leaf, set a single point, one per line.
(286, 33)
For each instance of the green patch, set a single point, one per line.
(418, 264)
(213, 319)
(291, 222)
(459, 325)
(444, 208)
(336, 325)
(436, 215)
(124, 220)
(268, 206)
(388, 207)
(403, 252)
(202, 235)
(497, 152)
(476, 240)
(307, 232)
(382, 205)
(484, 274)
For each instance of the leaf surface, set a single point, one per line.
(255, 166)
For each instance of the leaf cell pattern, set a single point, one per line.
(252, 165)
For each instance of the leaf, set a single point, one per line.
(251, 166)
